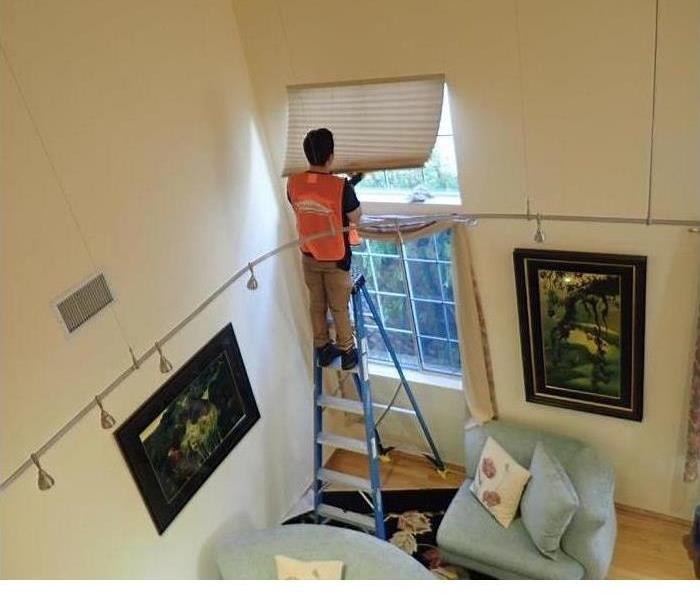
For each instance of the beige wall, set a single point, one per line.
(147, 112)
(585, 91)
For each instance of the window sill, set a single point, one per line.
(450, 382)
(389, 207)
(402, 197)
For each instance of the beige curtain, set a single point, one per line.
(693, 447)
(477, 379)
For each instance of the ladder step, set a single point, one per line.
(346, 516)
(339, 441)
(355, 407)
(356, 483)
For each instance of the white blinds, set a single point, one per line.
(386, 124)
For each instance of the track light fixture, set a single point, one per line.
(252, 284)
(165, 365)
(539, 234)
(133, 358)
(44, 480)
(106, 420)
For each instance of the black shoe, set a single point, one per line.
(327, 354)
(348, 359)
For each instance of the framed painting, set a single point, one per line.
(582, 330)
(180, 435)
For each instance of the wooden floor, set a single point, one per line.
(648, 546)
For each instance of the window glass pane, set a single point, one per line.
(440, 172)
(404, 179)
(430, 318)
(425, 280)
(451, 323)
(389, 274)
(365, 307)
(438, 355)
(420, 248)
(376, 180)
(377, 350)
(444, 244)
(402, 343)
(446, 116)
(446, 275)
(395, 312)
(361, 264)
(455, 360)
(383, 247)
(404, 348)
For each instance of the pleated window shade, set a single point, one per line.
(381, 124)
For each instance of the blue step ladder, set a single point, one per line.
(371, 445)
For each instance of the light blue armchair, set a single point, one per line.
(471, 537)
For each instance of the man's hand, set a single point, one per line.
(355, 178)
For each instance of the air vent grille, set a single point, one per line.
(85, 302)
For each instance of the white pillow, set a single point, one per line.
(499, 482)
(289, 568)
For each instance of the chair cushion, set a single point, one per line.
(549, 502)
(467, 530)
(499, 482)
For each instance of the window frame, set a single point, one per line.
(410, 300)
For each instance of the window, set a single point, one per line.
(435, 182)
(411, 286)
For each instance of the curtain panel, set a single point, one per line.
(692, 456)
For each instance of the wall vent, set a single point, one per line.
(85, 302)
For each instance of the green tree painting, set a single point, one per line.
(192, 427)
(580, 315)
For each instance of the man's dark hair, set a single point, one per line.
(318, 146)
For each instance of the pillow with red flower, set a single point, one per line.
(499, 482)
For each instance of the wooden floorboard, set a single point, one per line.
(648, 546)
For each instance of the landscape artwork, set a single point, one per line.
(582, 330)
(181, 434)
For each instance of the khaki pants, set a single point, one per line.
(329, 287)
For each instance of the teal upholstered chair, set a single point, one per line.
(471, 537)
(251, 554)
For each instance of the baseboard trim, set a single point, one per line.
(650, 513)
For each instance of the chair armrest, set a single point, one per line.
(590, 537)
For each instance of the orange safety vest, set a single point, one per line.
(317, 199)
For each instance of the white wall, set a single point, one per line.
(585, 89)
(147, 111)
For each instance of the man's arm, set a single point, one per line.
(355, 215)
(351, 205)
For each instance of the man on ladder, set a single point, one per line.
(324, 202)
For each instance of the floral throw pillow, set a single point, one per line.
(499, 482)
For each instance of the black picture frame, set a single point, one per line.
(582, 344)
(179, 436)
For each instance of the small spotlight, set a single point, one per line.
(133, 358)
(472, 222)
(165, 365)
(44, 480)
(252, 284)
(539, 234)
(106, 420)
(694, 230)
